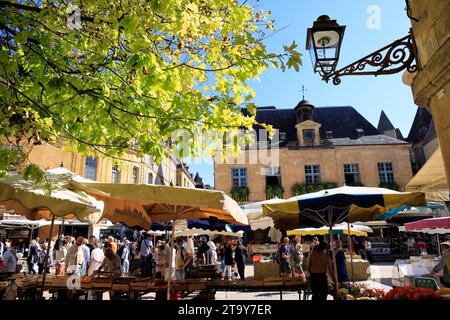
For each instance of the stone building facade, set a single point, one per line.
(129, 169)
(329, 146)
(431, 83)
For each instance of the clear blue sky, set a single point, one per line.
(367, 94)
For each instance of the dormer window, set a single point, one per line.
(306, 115)
(359, 132)
(308, 136)
(329, 134)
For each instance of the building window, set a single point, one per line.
(386, 172)
(312, 174)
(135, 175)
(308, 136)
(351, 174)
(150, 178)
(273, 176)
(239, 176)
(359, 132)
(90, 168)
(115, 178)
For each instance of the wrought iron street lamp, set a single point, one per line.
(324, 42)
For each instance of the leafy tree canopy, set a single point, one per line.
(107, 75)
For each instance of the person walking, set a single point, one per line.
(340, 262)
(125, 257)
(239, 257)
(112, 243)
(33, 257)
(296, 261)
(97, 256)
(146, 256)
(181, 260)
(228, 257)
(76, 258)
(367, 250)
(59, 256)
(202, 252)
(283, 253)
(10, 259)
(319, 265)
(443, 264)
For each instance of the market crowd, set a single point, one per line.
(141, 257)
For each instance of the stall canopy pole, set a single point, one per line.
(47, 253)
(31, 238)
(330, 224)
(171, 253)
(351, 250)
(439, 245)
(60, 231)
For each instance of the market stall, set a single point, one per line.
(60, 196)
(344, 204)
(124, 202)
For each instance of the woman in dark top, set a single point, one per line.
(319, 265)
(228, 255)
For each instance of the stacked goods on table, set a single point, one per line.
(86, 282)
(102, 283)
(23, 281)
(54, 281)
(143, 284)
(265, 269)
(357, 291)
(412, 293)
(361, 269)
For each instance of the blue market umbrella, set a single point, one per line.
(205, 224)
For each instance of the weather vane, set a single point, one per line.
(303, 92)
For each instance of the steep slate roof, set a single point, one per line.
(343, 121)
(367, 140)
(422, 118)
(399, 134)
(431, 134)
(384, 123)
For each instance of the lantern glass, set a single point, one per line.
(324, 40)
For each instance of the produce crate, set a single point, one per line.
(273, 281)
(254, 283)
(56, 281)
(294, 282)
(140, 286)
(121, 287)
(196, 286)
(266, 269)
(102, 283)
(361, 269)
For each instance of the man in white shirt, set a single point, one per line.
(97, 257)
(146, 256)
